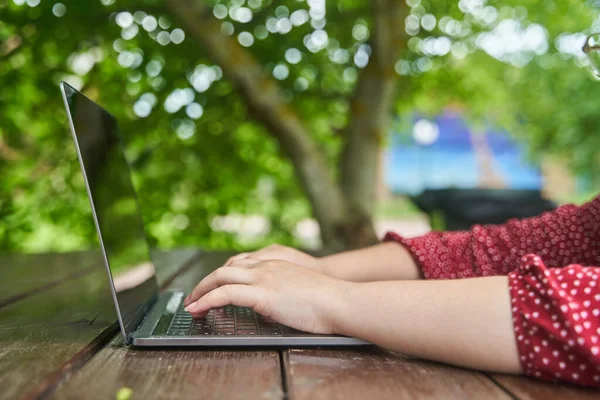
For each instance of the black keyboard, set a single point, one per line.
(224, 321)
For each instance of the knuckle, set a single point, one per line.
(269, 265)
(220, 274)
(261, 305)
(231, 260)
(227, 290)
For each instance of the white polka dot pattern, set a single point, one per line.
(556, 302)
(556, 321)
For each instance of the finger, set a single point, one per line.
(219, 277)
(238, 295)
(240, 256)
(246, 262)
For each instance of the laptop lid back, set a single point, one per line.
(114, 207)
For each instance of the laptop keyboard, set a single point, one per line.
(224, 321)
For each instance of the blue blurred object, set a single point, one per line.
(463, 177)
(439, 153)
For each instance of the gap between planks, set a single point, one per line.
(45, 389)
(42, 288)
(283, 355)
(501, 386)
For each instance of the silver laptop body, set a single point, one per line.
(147, 317)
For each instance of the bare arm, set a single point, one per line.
(382, 262)
(463, 322)
(386, 261)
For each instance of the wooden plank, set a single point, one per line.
(370, 373)
(179, 373)
(24, 274)
(51, 332)
(174, 374)
(40, 334)
(533, 389)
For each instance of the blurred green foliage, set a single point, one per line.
(195, 150)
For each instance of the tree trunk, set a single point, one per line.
(371, 106)
(341, 227)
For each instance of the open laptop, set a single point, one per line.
(147, 317)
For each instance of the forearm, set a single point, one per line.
(382, 262)
(463, 322)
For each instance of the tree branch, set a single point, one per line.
(262, 95)
(371, 105)
(10, 45)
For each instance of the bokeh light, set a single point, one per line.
(177, 36)
(59, 10)
(194, 110)
(293, 56)
(149, 23)
(246, 39)
(281, 71)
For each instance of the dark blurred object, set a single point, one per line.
(462, 208)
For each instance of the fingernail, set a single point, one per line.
(189, 308)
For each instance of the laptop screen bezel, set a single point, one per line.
(127, 326)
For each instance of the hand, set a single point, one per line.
(284, 253)
(290, 294)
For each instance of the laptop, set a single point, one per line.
(146, 316)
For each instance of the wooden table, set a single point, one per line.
(58, 338)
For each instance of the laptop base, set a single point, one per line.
(228, 327)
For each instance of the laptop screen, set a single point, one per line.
(114, 205)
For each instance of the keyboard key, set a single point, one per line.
(177, 333)
(225, 321)
(247, 332)
(270, 331)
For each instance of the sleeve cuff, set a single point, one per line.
(439, 255)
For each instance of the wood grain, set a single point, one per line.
(24, 274)
(533, 389)
(50, 332)
(39, 334)
(179, 373)
(370, 373)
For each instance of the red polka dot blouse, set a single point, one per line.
(553, 264)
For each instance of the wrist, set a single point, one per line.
(339, 308)
(322, 265)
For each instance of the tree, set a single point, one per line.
(327, 108)
(343, 209)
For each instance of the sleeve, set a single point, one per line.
(568, 235)
(556, 319)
